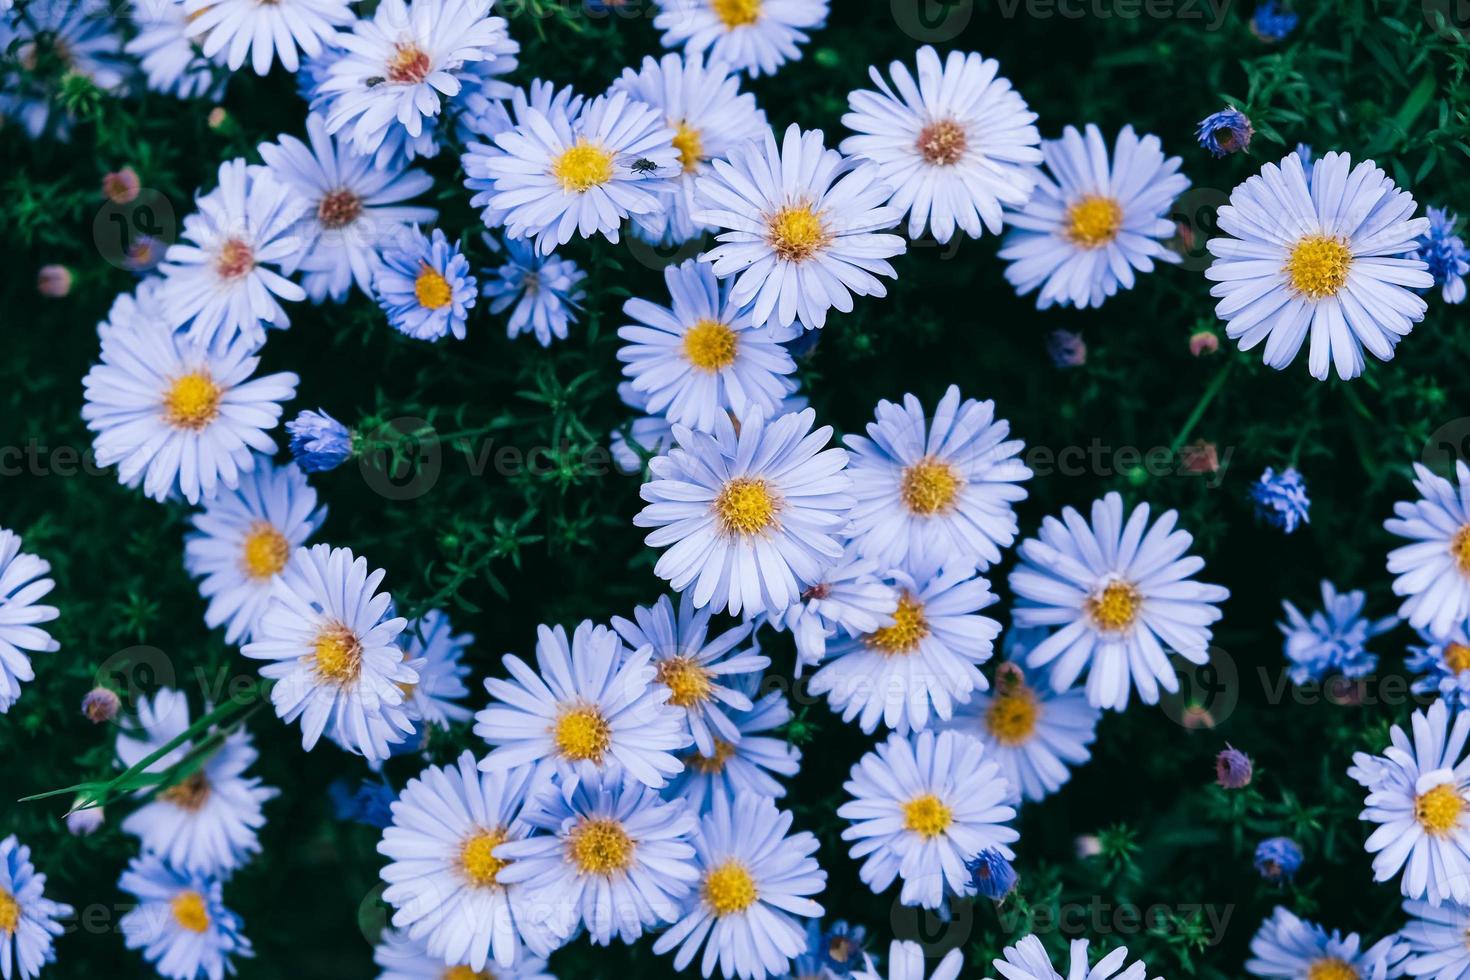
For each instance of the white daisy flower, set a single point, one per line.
(744, 766)
(924, 656)
(921, 807)
(1028, 960)
(402, 958)
(242, 540)
(386, 91)
(28, 919)
(333, 653)
(542, 96)
(1330, 252)
(543, 292)
(557, 174)
(800, 244)
(1120, 599)
(702, 356)
(180, 921)
(647, 436)
(754, 36)
(81, 36)
(170, 59)
(1433, 570)
(1435, 941)
(176, 416)
(215, 280)
(849, 598)
(1419, 796)
(228, 29)
(1093, 222)
(206, 822)
(753, 517)
(695, 669)
(444, 872)
(935, 490)
(24, 582)
(709, 115)
(431, 643)
(1035, 733)
(356, 212)
(1288, 948)
(906, 962)
(956, 145)
(606, 855)
(593, 706)
(755, 883)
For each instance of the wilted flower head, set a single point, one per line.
(1233, 768)
(1225, 132)
(319, 442)
(992, 874)
(1281, 499)
(100, 705)
(1278, 858)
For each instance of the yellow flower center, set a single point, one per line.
(9, 912)
(1115, 608)
(1093, 221)
(745, 506)
(265, 551)
(189, 911)
(736, 13)
(710, 346)
(192, 401)
(711, 765)
(431, 289)
(582, 734)
(339, 209)
(189, 793)
(1439, 809)
(929, 486)
(943, 143)
(795, 233)
(466, 973)
(927, 816)
(729, 888)
(1331, 969)
(1011, 717)
(1457, 657)
(1460, 548)
(338, 655)
(690, 144)
(583, 167)
(1318, 266)
(235, 259)
(409, 65)
(478, 861)
(600, 846)
(908, 628)
(688, 682)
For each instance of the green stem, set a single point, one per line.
(1206, 396)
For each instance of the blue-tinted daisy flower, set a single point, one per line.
(1444, 252)
(1093, 222)
(936, 490)
(1225, 132)
(28, 919)
(698, 671)
(1326, 253)
(176, 416)
(906, 962)
(23, 583)
(593, 706)
(180, 921)
(80, 34)
(1272, 21)
(746, 766)
(957, 145)
(543, 292)
(801, 245)
(356, 209)
(1444, 663)
(1419, 798)
(841, 946)
(1034, 733)
(542, 97)
(444, 873)
(991, 874)
(416, 55)
(606, 855)
(169, 57)
(286, 29)
(702, 356)
(319, 442)
(1119, 596)
(215, 279)
(1433, 569)
(920, 807)
(1028, 960)
(1281, 499)
(430, 641)
(709, 115)
(207, 821)
(754, 36)
(1334, 639)
(1435, 941)
(922, 659)
(849, 599)
(402, 958)
(756, 879)
(425, 287)
(558, 174)
(1278, 859)
(646, 436)
(1289, 948)
(332, 650)
(242, 540)
(752, 517)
